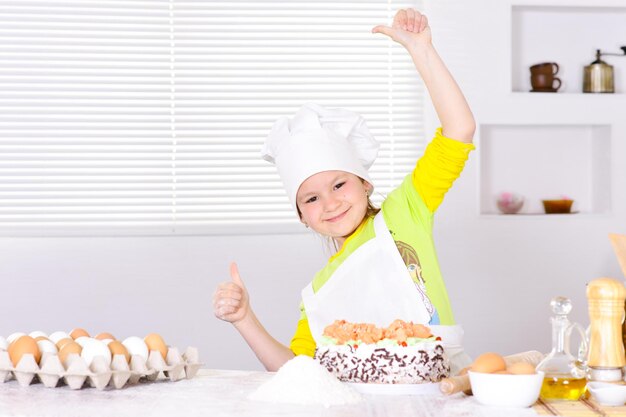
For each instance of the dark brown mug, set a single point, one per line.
(545, 68)
(545, 82)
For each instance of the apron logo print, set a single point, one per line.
(408, 254)
(416, 274)
(411, 260)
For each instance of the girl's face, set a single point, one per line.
(333, 203)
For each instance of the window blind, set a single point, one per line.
(147, 117)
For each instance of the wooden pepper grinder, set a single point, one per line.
(619, 246)
(606, 297)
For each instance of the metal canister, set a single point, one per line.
(598, 77)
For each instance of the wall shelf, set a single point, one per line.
(546, 162)
(534, 40)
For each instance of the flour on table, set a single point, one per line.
(302, 380)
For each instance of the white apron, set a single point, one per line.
(373, 285)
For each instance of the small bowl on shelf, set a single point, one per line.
(509, 203)
(562, 206)
(502, 390)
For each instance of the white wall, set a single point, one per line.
(501, 271)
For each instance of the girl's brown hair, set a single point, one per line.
(371, 209)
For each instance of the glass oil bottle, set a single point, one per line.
(564, 377)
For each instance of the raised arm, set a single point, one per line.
(232, 304)
(410, 29)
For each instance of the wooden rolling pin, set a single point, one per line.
(461, 382)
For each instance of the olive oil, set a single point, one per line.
(555, 388)
(564, 375)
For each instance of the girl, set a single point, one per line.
(322, 156)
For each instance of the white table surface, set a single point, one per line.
(221, 393)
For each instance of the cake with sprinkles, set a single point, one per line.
(402, 353)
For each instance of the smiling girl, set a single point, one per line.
(385, 267)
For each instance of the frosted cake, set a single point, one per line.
(402, 353)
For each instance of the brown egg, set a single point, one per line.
(63, 342)
(38, 338)
(489, 363)
(117, 348)
(521, 368)
(78, 332)
(505, 372)
(21, 346)
(67, 349)
(156, 342)
(105, 335)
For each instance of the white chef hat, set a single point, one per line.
(318, 139)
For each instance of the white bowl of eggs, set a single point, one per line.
(496, 384)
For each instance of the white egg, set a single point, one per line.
(82, 340)
(13, 337)
(136, 346)
(4, 345)
(47, 346)
(106, 341)
(37, 334)
(56, 336)
(93, 348)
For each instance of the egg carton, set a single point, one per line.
(76, 374)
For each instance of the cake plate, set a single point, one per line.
(431, 388)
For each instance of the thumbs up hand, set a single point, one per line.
(409, 28)
(230, 300)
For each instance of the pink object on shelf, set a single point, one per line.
(509, 203)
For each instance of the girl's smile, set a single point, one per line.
(338, 217)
